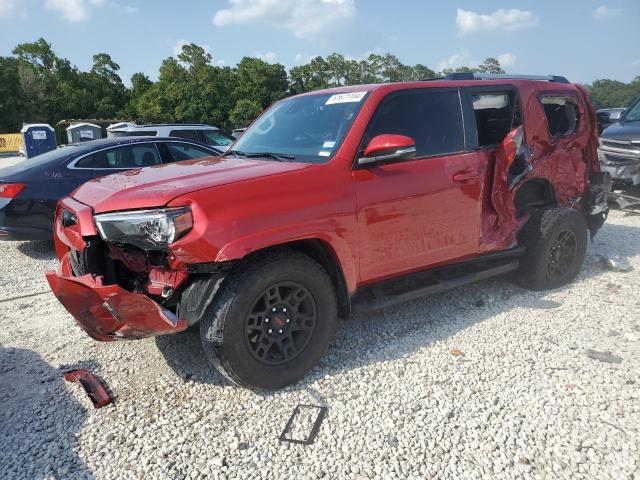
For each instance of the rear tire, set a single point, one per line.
(556, 242)
(271, 321)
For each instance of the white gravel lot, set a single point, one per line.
(524, 401)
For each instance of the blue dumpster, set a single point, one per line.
(39, 138)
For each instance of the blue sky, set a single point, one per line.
(581, 39)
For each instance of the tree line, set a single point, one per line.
(36, 85)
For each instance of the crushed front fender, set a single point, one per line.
(110, 312)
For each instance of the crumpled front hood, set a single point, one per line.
(158, 185)
(622, 131)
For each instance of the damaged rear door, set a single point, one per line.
(498, 133)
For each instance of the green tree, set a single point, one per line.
(244, 112)
(11, 97)
(490, 65)
(259, 81)
(607, 93)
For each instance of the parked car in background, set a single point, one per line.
(335, 201)
(608, 116)
(198, 132)
(237, 133)
(30, 190)
(119, 129)
(619, 151)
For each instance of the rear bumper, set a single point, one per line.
(110, 312)
(16, 222)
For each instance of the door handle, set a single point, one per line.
(465, 176)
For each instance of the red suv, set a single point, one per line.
(332, 202)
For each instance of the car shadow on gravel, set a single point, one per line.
(400, 330)
(39, 420)
(184, 354)
(38, 250)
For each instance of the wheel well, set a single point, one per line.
(534, 194)
(322, 253)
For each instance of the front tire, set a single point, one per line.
(271, 321)
(556, 243)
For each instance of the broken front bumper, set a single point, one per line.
(622, 167)
(110, 312)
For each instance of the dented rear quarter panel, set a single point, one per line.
(564, 162)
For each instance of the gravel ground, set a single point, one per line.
(487, 381)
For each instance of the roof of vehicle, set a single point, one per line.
(173, 125)
(89, 146)
(452, 80)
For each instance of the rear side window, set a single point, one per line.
(188, 134)
(562, 115)
(184, 151)
(216, 138)
(496, 114)
(131, 156)
(432, 118)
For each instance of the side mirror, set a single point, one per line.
(385, 148)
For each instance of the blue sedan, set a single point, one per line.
(30, 190)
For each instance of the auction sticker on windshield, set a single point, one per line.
(350, 97)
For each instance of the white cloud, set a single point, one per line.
(507, 20)
(507, 59)
(71, 10)
(10, 7)
(606, 12)
(454, 61)
(80, 10)
(269, 57)
(305, 18)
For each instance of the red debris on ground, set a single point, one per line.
(91, 384)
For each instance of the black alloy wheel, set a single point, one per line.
(280, 323)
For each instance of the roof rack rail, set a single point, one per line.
(502, 76)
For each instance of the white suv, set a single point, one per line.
(193, 131)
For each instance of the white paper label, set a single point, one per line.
(328, 144)
(350, 97)
(86, 133)
(324, 153)
(39, 135)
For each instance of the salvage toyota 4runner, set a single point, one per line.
(333, 202)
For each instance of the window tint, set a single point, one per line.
(496, 115)
(217, 138)
(189, 134)
(562, 115)
(432, 119)
(184, 151)
(130, 156)
(142, 133)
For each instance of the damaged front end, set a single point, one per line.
(118, 284)
(621, 160)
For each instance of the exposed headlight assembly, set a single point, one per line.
(146, 229)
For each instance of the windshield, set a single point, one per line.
(217, 138)
(309, 128)
(633, 115)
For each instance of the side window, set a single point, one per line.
(131, 156)
(141, 133)
(496, 113)
(188, 134)
(563, 115)
(432, 118)
(176, 152)
(144, 156)
(216, 138)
